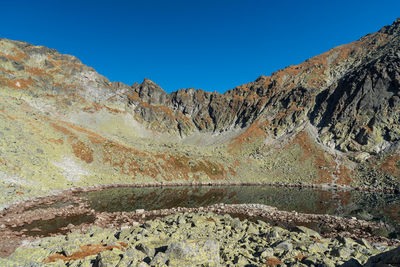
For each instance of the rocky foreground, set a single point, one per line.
(205, 239)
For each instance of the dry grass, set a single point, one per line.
(322, 160)
(271, 261)
(87, 250)
(82, 151)
(390, 165)
(254, 131)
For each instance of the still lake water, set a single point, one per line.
(362, 205)
(377, 207)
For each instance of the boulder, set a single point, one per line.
(285, 245)
(389, 257)
(109, 258)
(193, 252)
(307, 231)
(351, 263)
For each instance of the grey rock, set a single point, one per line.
(351, 263)
(268, 252)
(237, 224)
(365, 243)
(241, 261)
(70, 249)
(385, 258)
(343, 252)
(251, 229)
(274, 234)
(134, 254)
(193, 252)
(311, 260)
(327, 263)
(308, 231)
(285, 245)
(108, 258)
(159, 259)
(347, 242)
(146, 249)
(317, 248)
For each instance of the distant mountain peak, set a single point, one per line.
(393, 28)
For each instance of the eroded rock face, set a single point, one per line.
(349, 93)
(360, 111)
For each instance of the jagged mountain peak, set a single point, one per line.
(392, 29)
(150, 92)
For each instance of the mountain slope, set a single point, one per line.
(64, 125)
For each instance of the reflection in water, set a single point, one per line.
(367, 206)
(52, 226)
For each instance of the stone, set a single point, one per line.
(251, 229)
(285, 245)
(77, 263)
(241, 261)
(308, 231)
(159, 259)
(310, 260)
(193, 252)
(108, 258)
(317, 248)
(327, 263)
(146, 249)
(364, 243)
(69, 249)
(385, 258)
(134, 254)
(268, 252)
(181, 220)
(140, 211)
(347, 242)
(86, 262)
(274, 234)
(22, 256)
(343, 252)
(351, 263)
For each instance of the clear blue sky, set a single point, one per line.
(207, 44)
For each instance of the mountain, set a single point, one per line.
(333, 119)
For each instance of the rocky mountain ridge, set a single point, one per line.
(296, 94)
(316, 122)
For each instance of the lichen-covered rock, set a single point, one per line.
(193, 252)
(285, 245)
(146, 249)
(109, 258)
(28, 256)
(201, 239)
(308, 231)
(68, 249)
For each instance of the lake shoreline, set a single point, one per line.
(25, 215)
(327, 187)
